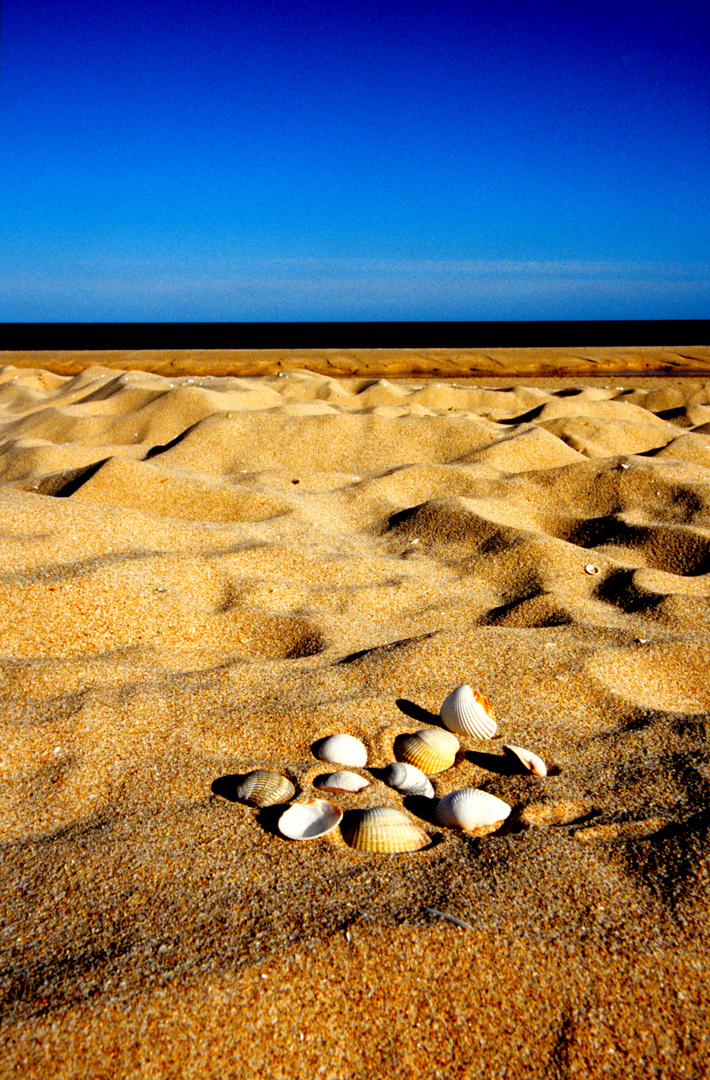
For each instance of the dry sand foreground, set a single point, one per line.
(202, 576)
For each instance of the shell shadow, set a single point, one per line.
(315, 746)
(495, 763)
(226, 786)
(348, 824)
(416, 712)
(378, 774)
(268, 818)
(508, 765)
(421, 807)
(513, 825)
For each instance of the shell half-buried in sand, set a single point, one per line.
(408, 779)
(469, 808)
(309, 820)
(431, 750)
(466, 712)
(343, 750)
(262, 787)
(341, 781)
(385, 830)
(531, 762)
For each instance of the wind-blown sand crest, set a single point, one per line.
(381, 363)
(206, 575)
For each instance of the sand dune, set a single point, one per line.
(203, 575)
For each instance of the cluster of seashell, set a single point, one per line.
(422, 754)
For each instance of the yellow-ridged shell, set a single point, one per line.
(431, 750)
(382, 829)
(265, 788)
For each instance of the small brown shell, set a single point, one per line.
(431, 750)
(385, 830)
(265, 788)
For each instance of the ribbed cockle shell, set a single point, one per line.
(408, 779)
(432, 750)
(469, 808)
(527, 759)
(382, 829)
(309, 820)
(265, 788)
(341, 781)
(467, 712)
(343, 750)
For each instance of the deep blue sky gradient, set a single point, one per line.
(180, 160)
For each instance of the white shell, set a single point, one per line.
(341, 781)
(532, 762)
(343, 750)
(466, 712)
(408, 779)
(308, 820)
(469, 808)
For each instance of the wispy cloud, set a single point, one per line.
(353, 288)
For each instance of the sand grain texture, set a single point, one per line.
(204, 575)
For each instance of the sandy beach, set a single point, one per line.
(207, 568)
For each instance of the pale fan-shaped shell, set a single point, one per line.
(432, 750)
(469, 808)
(467, 712)
(308, 820)
(343, 750)
(530, 761)
(265, 788)
(408, 779)
(341, 781)
(386, 830)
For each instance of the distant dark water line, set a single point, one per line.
(355, 335)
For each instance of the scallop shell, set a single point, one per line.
(343, 750)
(467, 712)
(530, 761)
(385, 830)
(308, 820)
(341, 781)
(432, 750)
(469, 808)
(408, 779)
(265, 788)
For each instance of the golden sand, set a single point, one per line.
(206, 574)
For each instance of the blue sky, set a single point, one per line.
(206, 160)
